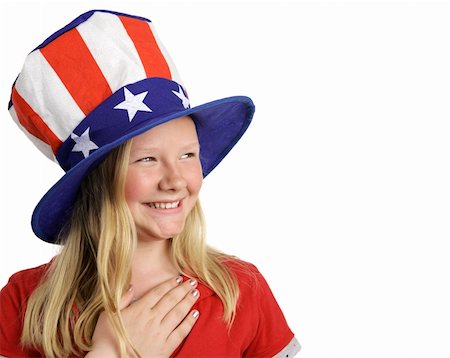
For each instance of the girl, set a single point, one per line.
(134, 276)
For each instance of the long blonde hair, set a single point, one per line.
(93, 269)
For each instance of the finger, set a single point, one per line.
(180, 333)
(154, 296)
(172, 299)
(176, 315)
(127, 298)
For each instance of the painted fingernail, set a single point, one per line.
(195, 314)
(179, 279)
(195, 293)
(192, 282)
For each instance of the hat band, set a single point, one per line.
(124, 111)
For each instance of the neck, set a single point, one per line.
(152, 264)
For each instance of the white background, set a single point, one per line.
(339, 190)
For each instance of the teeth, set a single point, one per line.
(164, 205)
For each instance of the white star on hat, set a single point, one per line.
(133, 103)
(83, 143)
(180, 95)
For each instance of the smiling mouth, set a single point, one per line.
(171, 205)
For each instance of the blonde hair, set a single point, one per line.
(93, 269)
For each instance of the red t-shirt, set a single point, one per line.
(259, 330)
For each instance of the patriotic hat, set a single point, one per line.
(99, 81)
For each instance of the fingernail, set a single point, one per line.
(195, 314)
(179, 279)
(195, 293)
(192, 282)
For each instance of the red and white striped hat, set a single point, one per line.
(99, 81)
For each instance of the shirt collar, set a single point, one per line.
(204, 290)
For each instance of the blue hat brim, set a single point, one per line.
(219, 124)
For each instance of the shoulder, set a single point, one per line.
(235, 263)
(31, 274)
(247, 274)
(252, 285)
(28, 278)
(21, 284)
(260, 314)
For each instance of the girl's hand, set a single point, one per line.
(156, 323)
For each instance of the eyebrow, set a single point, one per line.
(193, 144)
(151, 149)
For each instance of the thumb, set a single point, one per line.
(127, 298)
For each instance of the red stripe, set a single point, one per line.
(74, 64)
(33, 123)
(155, 64)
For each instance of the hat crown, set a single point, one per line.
(77, 68)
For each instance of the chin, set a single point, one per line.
(145, 235)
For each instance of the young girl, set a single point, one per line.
(135, 276)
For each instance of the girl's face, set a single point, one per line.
(164, 178)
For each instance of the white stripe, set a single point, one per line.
(290, 350)
(173, 69)
(113, 50)
(43, 147)
(44, 91)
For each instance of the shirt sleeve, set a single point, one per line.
(13, 301)
(273, 334)
(10, 321)
(290, 350)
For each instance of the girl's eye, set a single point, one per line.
(147, 159)
(188, 155)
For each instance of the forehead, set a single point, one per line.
(180, 130)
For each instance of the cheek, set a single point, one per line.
(195, 181)
(131, 194)
(129, 188)
(133, 187)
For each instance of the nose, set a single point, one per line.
(172, 179)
